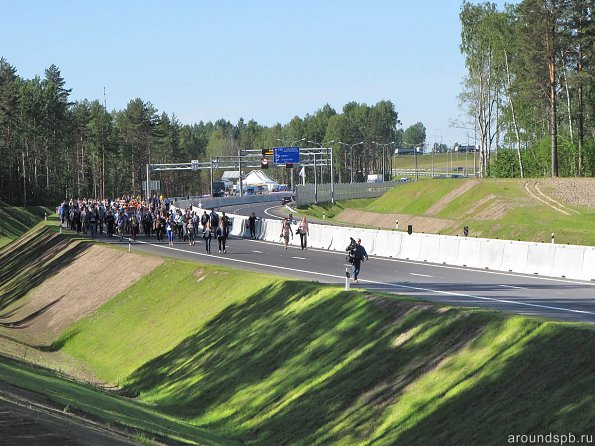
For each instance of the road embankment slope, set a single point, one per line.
(259, 359)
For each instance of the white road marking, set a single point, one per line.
(266, 211)
(300, 258)
(420, 275)
(515, 287)
(258, 252)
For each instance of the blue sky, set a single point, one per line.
(262, 60)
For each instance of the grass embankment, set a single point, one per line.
(218, 353)
(15, 221)
(499, 208)
(275, 361)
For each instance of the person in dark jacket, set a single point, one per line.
(357, 253)
(252, 225)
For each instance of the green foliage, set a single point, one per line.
(536, 158)
(506, 165)
(414, 134)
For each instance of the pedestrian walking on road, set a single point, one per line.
(169, 229)
(222, 232)
(304, 231)
(357, 253)
(207, 234)
(285, 231)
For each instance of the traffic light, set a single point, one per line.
(264, 163)
(289, 165)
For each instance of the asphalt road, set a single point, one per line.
(563, 299)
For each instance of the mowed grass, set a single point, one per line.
(263, 360)
(15, 221)
(492, 208)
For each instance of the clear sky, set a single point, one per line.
(262, 60)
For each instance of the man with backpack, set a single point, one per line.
(357, 253)
(204, 219)
(214, 219)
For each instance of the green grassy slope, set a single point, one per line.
(492, 208)
(215, 353)
(262, 360)
(15, 221)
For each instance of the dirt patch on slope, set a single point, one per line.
(92, 279)
(440, 204)
(389, 221)
(570, 191)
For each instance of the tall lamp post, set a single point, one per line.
(384, 146)
(415, 149)
(351, 146)
(321, 145)
(291, 144)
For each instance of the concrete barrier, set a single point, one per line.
(514, 257)
(339, 238)
(588, 271)
(272, 230)
(540, 259)
(568, 260)
(411, 245)
(320, 235)
(429, 248)
(448, 251)
(238, 227)
(387, 244)
(469, 252)
(491, 253)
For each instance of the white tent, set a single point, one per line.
(259, 178)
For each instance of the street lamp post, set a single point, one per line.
(321, 145)
(351, 146)
(292, 144)
(415, 149)
(384, 146)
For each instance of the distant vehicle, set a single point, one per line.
(286, 200)
(408, 151)
(466, 149)
(375, 178)
(218, 189)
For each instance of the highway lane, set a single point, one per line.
(516, 293)
(272, 209)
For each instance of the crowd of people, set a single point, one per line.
(153, 218)
(131, 216)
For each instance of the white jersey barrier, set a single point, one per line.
(540, 259)
(569, 261)
(491, 253)
(588, 271)
(449, 250)
(429, 248)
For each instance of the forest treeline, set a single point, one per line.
(51, 148)
(529, 87)
(528, 101)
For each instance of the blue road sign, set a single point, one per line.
(285, 155)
